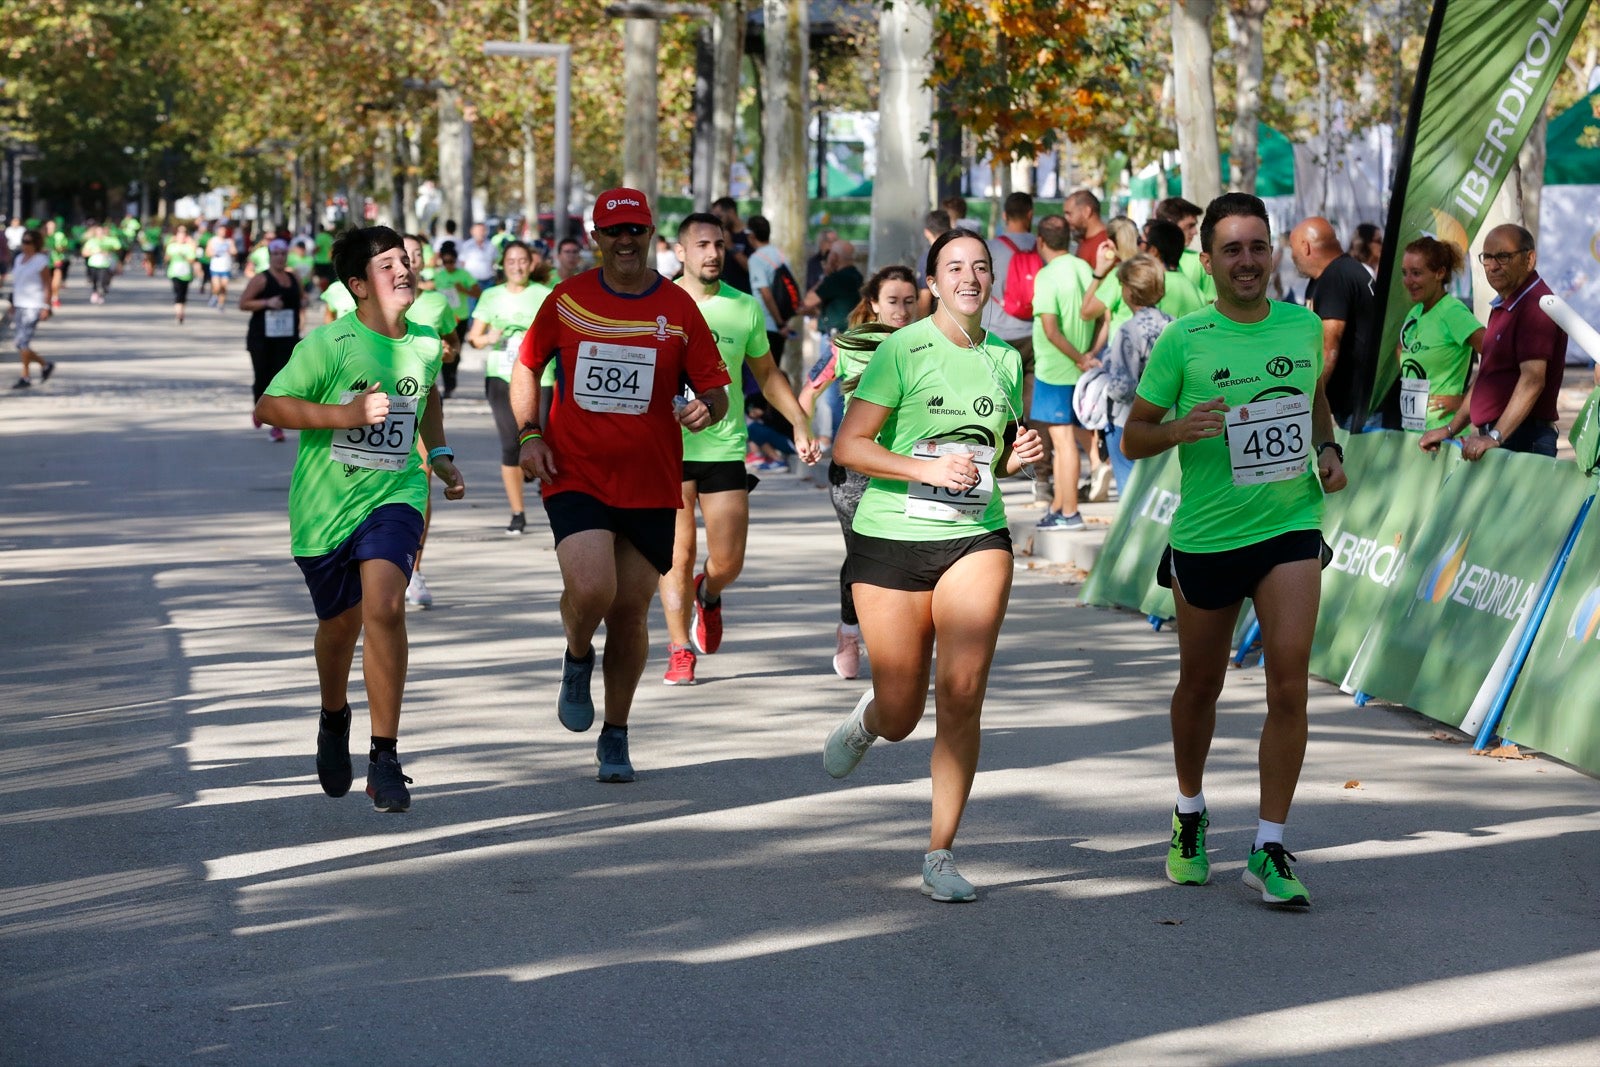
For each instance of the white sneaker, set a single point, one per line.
(942, 882)
(849, 741)
(417, 592)
(1100, 485)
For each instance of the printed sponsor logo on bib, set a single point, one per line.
(614, 378)
(279, 323)
(1269, 440)
(385, 446)
(924, 501)
(1414, 404)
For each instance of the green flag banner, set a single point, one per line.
(1585, 434)
(1474, 570)
(1371, 528)
(1485, 71)
(1125, 574)
(1553, 707)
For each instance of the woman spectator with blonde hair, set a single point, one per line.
(1142, 282)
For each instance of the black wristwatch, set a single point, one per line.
(1338, 451)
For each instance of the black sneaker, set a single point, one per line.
(574, 705)
(386, 783)
(518, 525)
(333, 757)
(49, 369)
(21, 383)
(611, 756)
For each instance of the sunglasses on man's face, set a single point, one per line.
(632, 229)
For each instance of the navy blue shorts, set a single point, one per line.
(392, 532)
(1052, 404)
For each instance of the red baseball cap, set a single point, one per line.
(618, 206)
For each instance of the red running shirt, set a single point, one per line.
(620, 359)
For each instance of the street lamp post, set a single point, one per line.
(562, 54)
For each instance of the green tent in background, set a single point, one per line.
(1274, 178)
(1572, 144)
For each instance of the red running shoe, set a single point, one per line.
(680, 665)
(707, 630)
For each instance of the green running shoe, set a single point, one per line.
(1268, 871)
(1187, 863)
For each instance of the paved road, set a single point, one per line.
(177, 890)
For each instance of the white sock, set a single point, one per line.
(1191, 805)
(850, 630)
(1268, 833)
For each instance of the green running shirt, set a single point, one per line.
(935, 388)
(1206, 355)
(328, 499)
(1433, 345)
(740, 329)
(512, 314)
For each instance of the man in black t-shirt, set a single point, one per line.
(736, 267)
(1340, 292)
(839, 291)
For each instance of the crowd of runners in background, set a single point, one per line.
(637, 378)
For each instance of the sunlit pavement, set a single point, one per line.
(176, 889)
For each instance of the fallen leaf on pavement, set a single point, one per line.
(1447, 737)
(1352, 784)
(1503, 752)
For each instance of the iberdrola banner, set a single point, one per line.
(1486, 68)
(1393, 486)
(1553, 706)
(1125, 574)
(1473, 570)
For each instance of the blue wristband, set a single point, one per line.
(442, 450)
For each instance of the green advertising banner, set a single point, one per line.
(1371, 528)
(1125, 574)
(1554, 707)
(1485, 71)
(1474, 570)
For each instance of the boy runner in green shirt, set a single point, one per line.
(713, 459)
(1255, 442)
(360, 390)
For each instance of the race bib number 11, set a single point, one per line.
(1269, 440)
(1414, 404)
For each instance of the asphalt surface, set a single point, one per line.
(176, 889)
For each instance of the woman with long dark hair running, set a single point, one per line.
(935, 419)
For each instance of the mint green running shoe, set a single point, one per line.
(1187, 863)
(1268, 871)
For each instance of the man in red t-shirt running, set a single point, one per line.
(624, 342)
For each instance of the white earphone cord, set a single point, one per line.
(983, 351)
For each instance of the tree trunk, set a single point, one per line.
(703, 144)
(641, 46)
(727, 42)
(905, 111)
(530, 172)
(1530, 165)
(1246, 17)
(950, 163)
(1196, 103)
(784, 155)
(453, 194)
(413, 167)
(385, 178)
